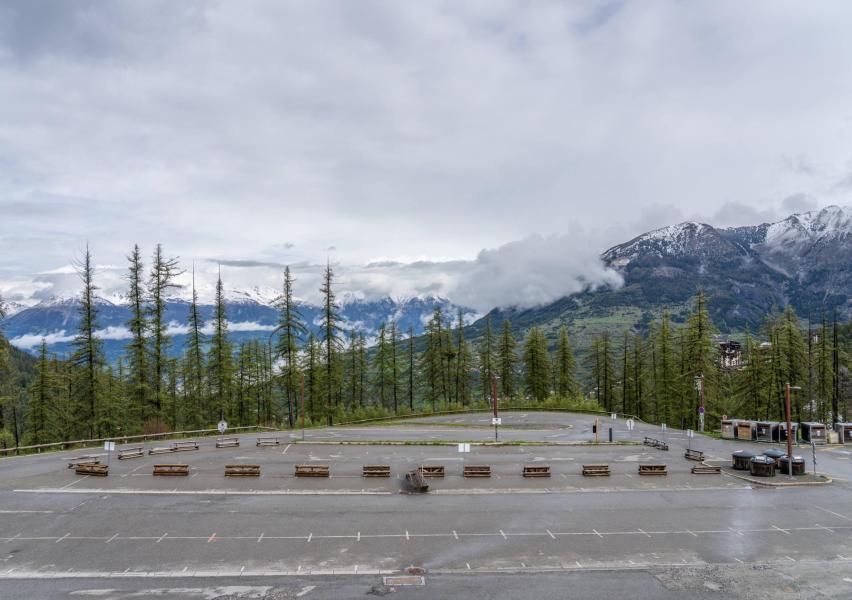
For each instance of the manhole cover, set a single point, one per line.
(404, 580)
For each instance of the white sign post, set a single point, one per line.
(689, 434)
(496, 421)
(109, 447)
(222, 426)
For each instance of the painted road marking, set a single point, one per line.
(781, 530)
(831, 512)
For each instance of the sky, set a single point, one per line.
(486, 151)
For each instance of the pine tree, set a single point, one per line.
(432, 360)
(628, 392)
(640, 376)
(487, 360)
(198, 411)
(506, 361)
(220, 360)
(566, 384)
(87, 352)
(702, 361)
(411, 369)
(291, 330)
(380, 367)
(331, 341)
(161, 281)
(394, 367)
(40, 400)
(666, 378)
(462, 364)
(536, 365)
(137, 349)
(824, 372)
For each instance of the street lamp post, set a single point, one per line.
(790, 430)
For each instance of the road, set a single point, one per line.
(206, 536)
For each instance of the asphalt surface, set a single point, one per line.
(208, 536)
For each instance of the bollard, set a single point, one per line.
(610, 435)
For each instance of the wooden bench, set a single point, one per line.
(655, 443)
(432, 470)
(126, 453)
(693, 455)
(81, 460)
(267, 441)
(228, 442)
(171, 469)
(477, 471)
(94, 468)
(652, 470)
(161, 450)
(242, 470)
(312, 471)
(184, 446)
(595, 470)
(536, 471)
(376, 471)
(415, 480)
(706, 470)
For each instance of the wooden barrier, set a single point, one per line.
(432, 470)
(228, 442)
(94, 468)
(415, 480)
(242, 470)
(693, 455)
(171, 469)
(126, 453)
(312, 471)
(536, 471)
(184, 446)
(655, 443)
(596, 470)
(652, 470)
(161, 450)
(706, 470)
(376, 471)
(80, 460)
(477, 471)
(267, 441)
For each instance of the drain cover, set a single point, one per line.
(404, 580)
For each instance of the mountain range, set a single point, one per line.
(804, 261)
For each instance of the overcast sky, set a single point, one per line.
(497, 146)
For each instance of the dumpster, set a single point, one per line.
(762, 466)
(741, 460)
(765, 431)
(798, 465)
(814, 432)
(779, 434)
(744, 430)
(728, 429)
(775, 454)
(845, 432)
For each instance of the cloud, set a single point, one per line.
(246, 263)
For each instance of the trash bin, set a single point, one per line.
(741, 460)
(728, 429)
(814, 432)
(798, 465)
(779, 434)
(775, 454)
(764, 430)
(762, 466)
(845, 432)
(744, 430)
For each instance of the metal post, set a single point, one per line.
(302, 386)
(701, 406)
(789, 436)
(494, 403)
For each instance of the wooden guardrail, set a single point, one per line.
(94, 468)
(536, 471)
(231, 442)
(242, 470)
(693, 455)
(432, 470)
(376, 471)
(79, 460)
(477, 471)
(706, 470)
(126, 453)
(171, 470)
(595, 470)
(183, 446)
(653, 470)
(267, 441)
(312, 471)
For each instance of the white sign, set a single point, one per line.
(630, 424)
(664, 426)
(109, 446)
(690, 433)
(613, 416)
(496, 420)
(223, 426)
(464, 447)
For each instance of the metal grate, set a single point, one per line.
(400, 580)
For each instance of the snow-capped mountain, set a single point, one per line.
(251, 313)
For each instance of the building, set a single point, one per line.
(730, 355)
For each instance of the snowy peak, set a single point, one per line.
(684, 239)
(826, 225)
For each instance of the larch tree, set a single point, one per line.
(487, 360)
(330, 326)
(220, 359)
(161, 281)
(86, 356)
(463, 364)
(566, 384)
(291, 332)
(506, 360)
(537, 374)
(197, 408)
(394, 366)
(137, 348)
